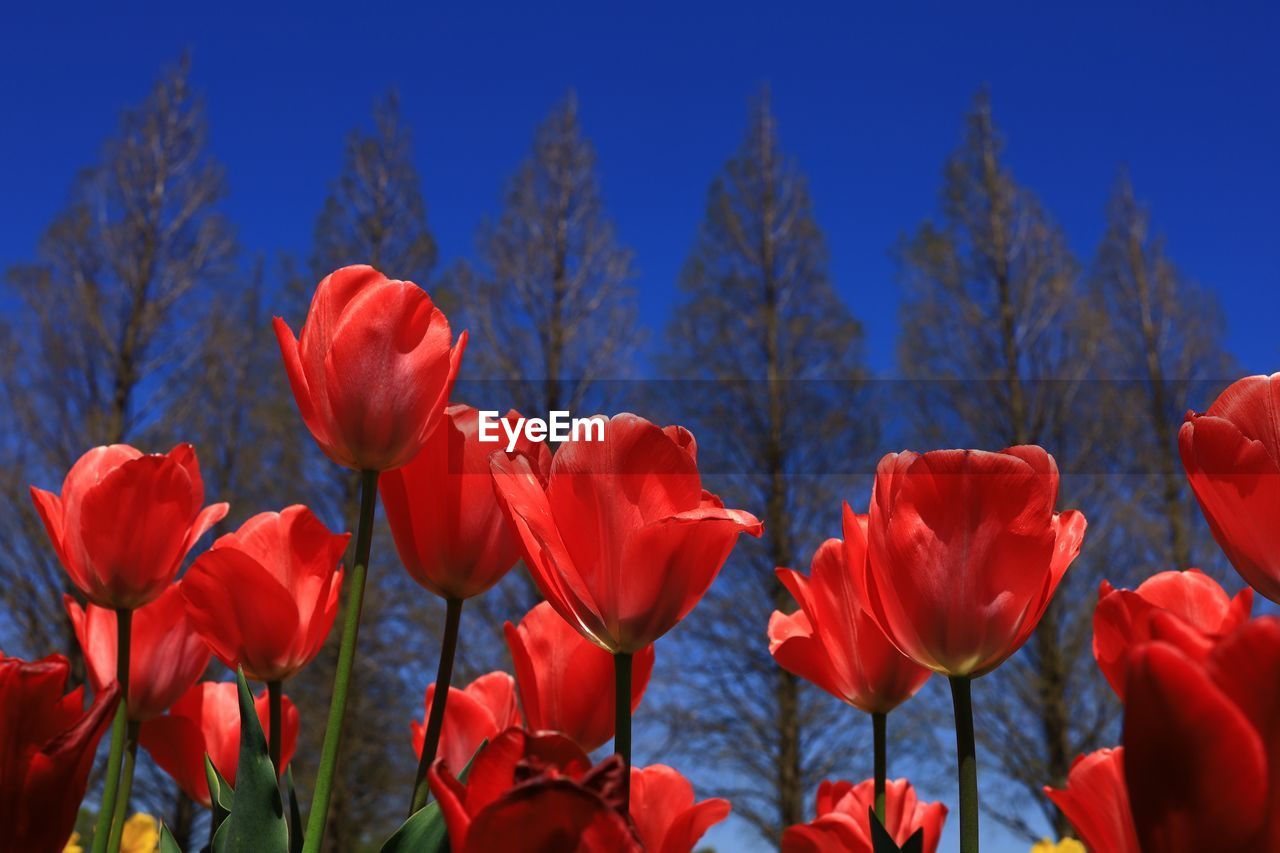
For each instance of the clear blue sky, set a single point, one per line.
(869, 100)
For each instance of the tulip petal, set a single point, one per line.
(309, 401)
(566, 681)
(795, 649)
(525, 503)
(1096, 802)
(387, 362)
(663, 810)
(135, 524)
(249, 630)
(472, 715)
(47, 746)
(176, 745)
(966, 553)
(1210, 793)
(49, 507)
(204, 522)
(451, 795)
(672, 563)
(1252, 404)
(555, 814)
(1236, 481)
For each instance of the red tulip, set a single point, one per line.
(833, 641)
(843, 820)
(566, 681)
(1202, 744)
(448, 527)
(207, 720)
(666, 817)
(623, 540)
(966, 552)
(125, 521)
(1096, 802)
(538, 791)
(265, 597)
(477, 713)
(1122, 619)
(372, 369)
(166, 655)
(1231, 454)
(47, 744)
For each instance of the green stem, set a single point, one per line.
(119, 733)
(966, 764)
(435, 722)
(275, 717)
(126, 788)
(346, 658)
(622, 721)
(878, 725)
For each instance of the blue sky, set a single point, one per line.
(869, 99)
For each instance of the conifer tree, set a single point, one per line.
(766, 369)
(999, 342)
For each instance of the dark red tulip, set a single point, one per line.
(1096, 802)
(664, 812)
(166, 655)
(449, 530)
(125, 521)
(1122, 619)
(843, 823)
(372, 370)
(265, 597)
(477, 713)
(207, 720)
(565, 680)
(622, 540)
(1202, 742)
(966, 553)
(1231, 454)
(533, 792)
(47, 743)
(833, 640)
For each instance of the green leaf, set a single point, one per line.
(221, 794)
(882, 841)
(295, 815)
(168, 844)
(257, 818)
(425, 831)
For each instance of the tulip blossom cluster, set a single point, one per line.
(372, 373)
(841, 822)
(206, 721)
(1200, 755)
(950, 571)
(49, 741)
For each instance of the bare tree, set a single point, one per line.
(375, 213)
(105, 329)
(766, 366)
(1164, 354)
(998, 343)
(547, 300)
(110, 344)
(551, 316)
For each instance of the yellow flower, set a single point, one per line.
(1066, 845)
(73, 844)
(141, 834)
